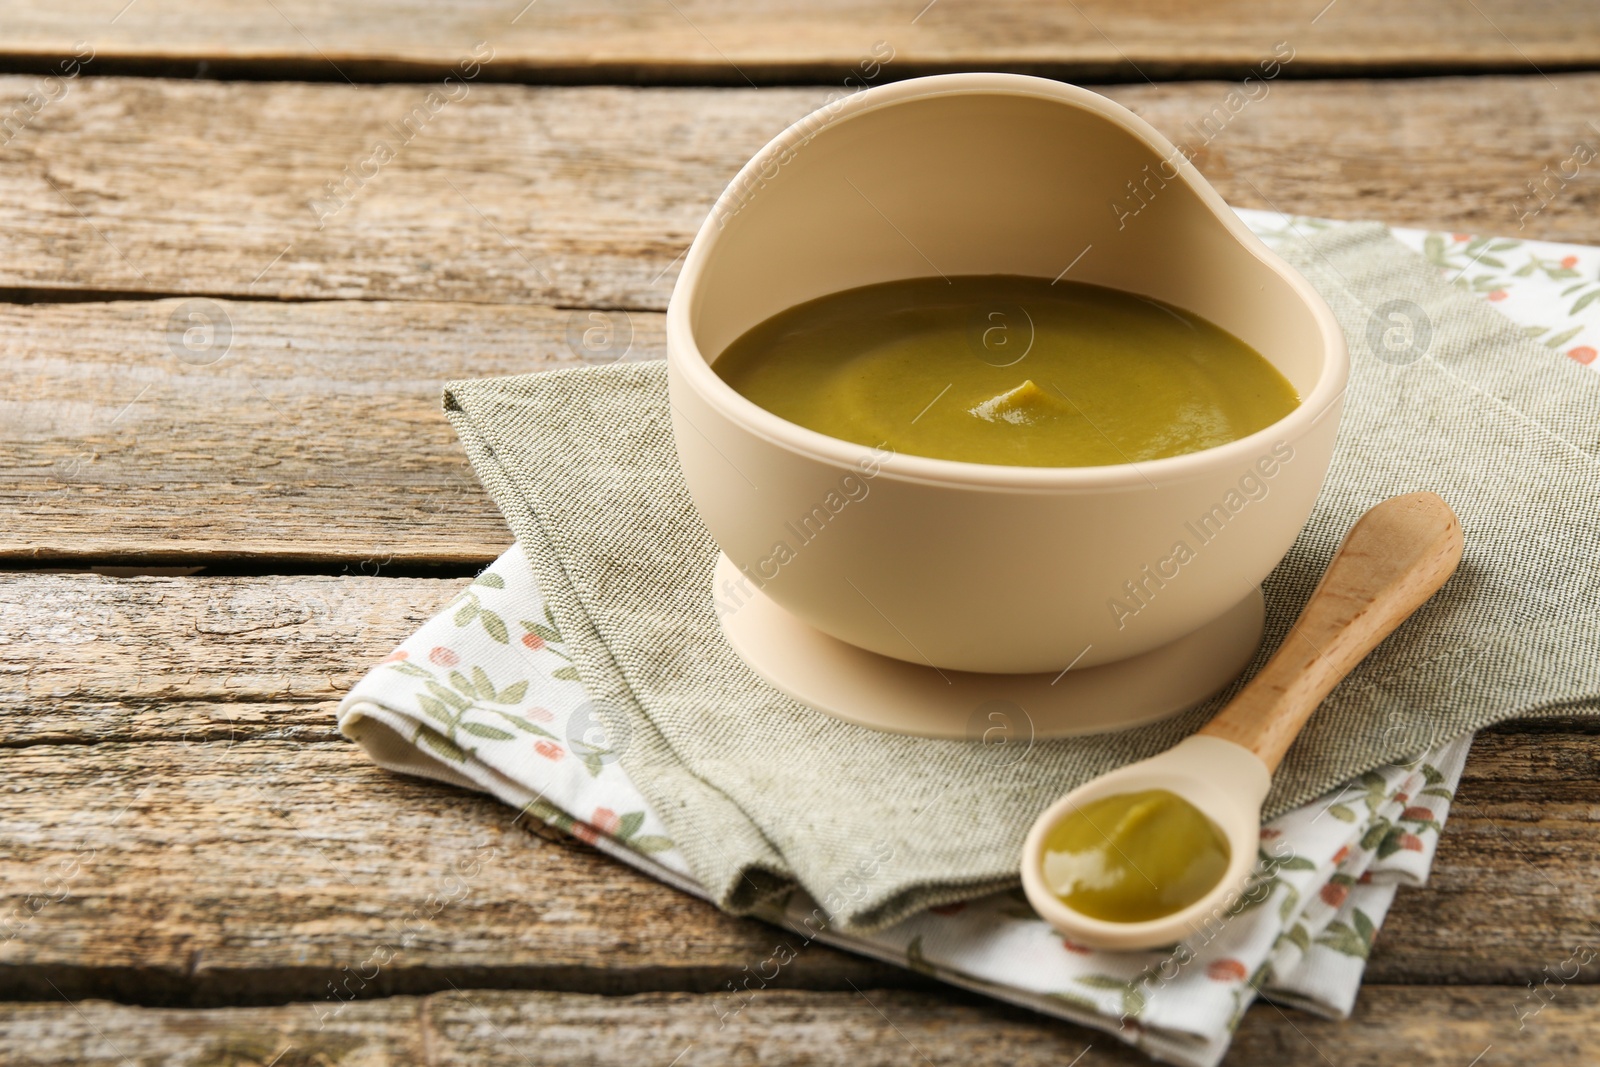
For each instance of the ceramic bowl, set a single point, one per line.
(977, 567)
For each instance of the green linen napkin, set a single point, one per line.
(761, 792)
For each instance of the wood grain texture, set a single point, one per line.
(586, 197)
(172, 776)
(1530, 793)
(90, 659)
(726, 42)
(184, 825)
(1418, 1026)
(249, 871)
(316, 438)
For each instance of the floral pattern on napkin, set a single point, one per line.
(485, 689)
(485, 695)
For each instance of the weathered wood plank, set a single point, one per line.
(725, 42)
(586, 197)
(1419, 1026)
(90, 659)
(251, 871)
(1519, 849)
(256, 870)
(1524, 815)
(172, 775)
(315, 438)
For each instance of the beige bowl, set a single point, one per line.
(975, 567)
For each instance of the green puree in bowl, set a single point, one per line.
(1009, 370)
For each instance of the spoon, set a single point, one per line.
(1393, 559)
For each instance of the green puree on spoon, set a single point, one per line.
(1007, 370)
(1134, 856)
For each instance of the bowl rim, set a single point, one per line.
(690, 365)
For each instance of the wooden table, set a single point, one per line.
(206, 545)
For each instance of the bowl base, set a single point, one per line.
(888, 694)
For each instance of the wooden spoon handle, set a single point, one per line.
(1393, 559)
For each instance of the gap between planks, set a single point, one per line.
(314, 442)
(1417, 1026)
(181, 730)
(822, 41)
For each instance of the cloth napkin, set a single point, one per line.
(486, 696)
(583, 466)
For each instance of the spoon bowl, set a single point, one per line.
(1394, 558)
(1225, 782)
